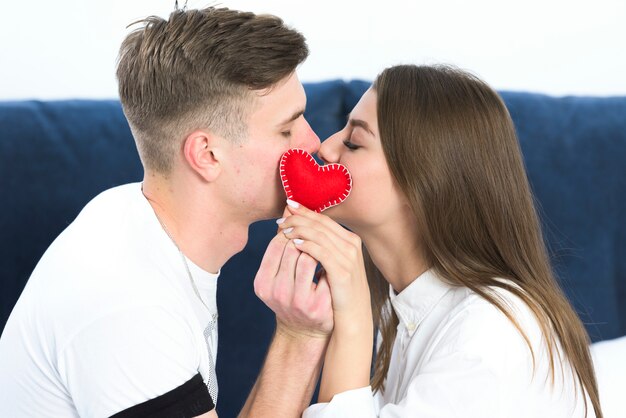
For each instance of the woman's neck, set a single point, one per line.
(396, 252)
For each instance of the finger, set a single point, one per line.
(289, 259)
(305, 272)
(286, 214)
(336, 248)
(323, 293)
(296, 223)
(284, 281)
(271, 261)
(297, 209)
(326, 257)
(323, 286)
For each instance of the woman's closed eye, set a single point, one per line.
(350, 145)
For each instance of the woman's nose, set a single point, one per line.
(329, 151)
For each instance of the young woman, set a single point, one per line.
(470, 319)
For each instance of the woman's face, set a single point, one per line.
(375, 198)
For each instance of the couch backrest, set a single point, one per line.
(575, 153)
(56, 156)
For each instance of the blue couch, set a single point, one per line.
(56, 156)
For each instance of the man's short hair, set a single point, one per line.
(197, 70)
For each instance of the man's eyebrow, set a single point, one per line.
(293, 117)
(360, 124)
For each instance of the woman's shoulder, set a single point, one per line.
(479, 327)
(511, 346)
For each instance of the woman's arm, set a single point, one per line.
(348, 359)
(349, 354)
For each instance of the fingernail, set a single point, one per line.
(293, 204)
(288, 230)
(280, 220)
(298, 241)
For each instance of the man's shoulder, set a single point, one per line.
(109, 202)
(105, 255)
(102, 218)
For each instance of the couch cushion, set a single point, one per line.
(54, 157)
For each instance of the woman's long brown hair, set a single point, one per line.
(452, 149)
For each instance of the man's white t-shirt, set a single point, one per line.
(109, 320)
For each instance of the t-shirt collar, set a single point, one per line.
(418, 299)
(200, 275)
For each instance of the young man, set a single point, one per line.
(119, 316)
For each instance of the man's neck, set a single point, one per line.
(200, 225)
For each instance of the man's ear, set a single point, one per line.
(200, 150)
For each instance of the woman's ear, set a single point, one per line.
(200, 150)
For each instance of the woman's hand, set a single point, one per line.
(341, 255)
(349, 353)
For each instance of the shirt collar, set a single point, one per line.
(416, 301)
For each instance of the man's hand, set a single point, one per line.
(341, 254)
(285, 284)
(304, 322)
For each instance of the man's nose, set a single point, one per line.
(309, 141)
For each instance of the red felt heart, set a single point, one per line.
(314, 186)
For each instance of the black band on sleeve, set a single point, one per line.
(188, 400)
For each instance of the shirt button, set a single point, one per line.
(411, 327)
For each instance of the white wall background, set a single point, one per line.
(67, 48)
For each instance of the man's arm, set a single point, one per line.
(304, 322)
(109, 366)
(288, 377)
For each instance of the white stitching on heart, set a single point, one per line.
(329, 167)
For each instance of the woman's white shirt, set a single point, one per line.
(457, 355)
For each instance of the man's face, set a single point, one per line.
(275, 125)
